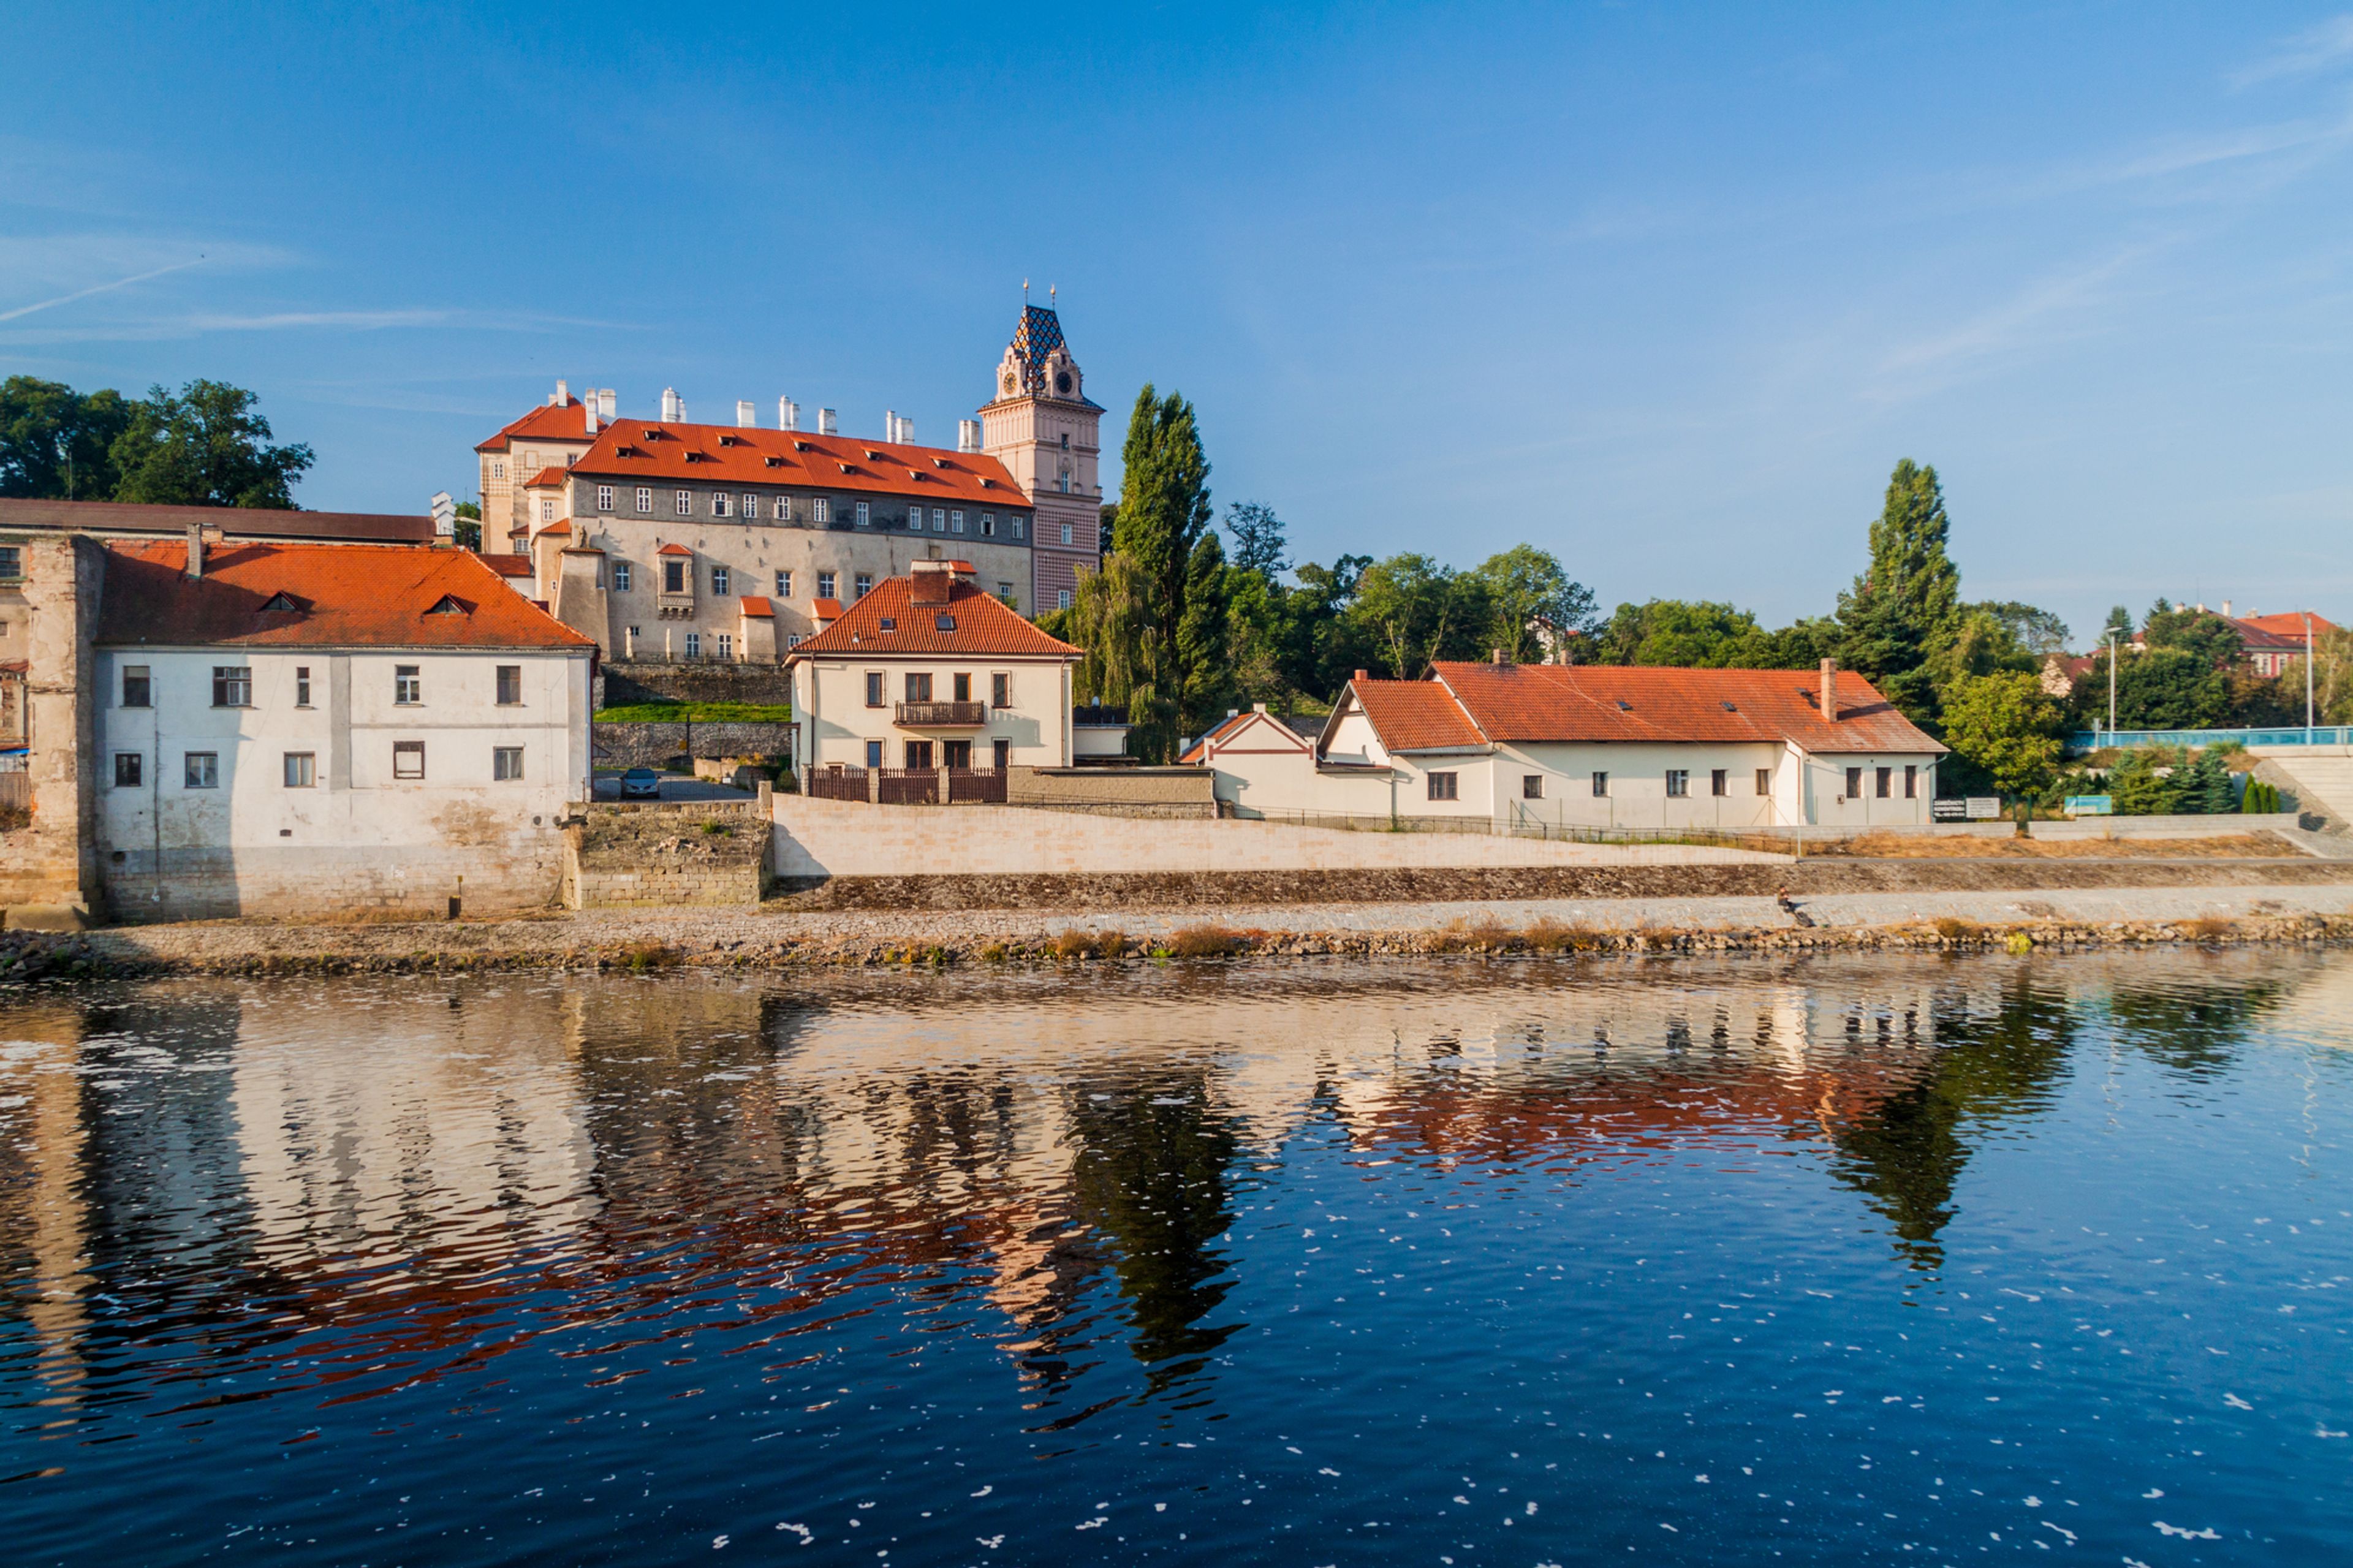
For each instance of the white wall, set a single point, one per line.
(829, 701)
(358, 837)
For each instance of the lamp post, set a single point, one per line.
(2112, 688)
(2307, 678)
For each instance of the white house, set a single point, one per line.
(927, 672)
(1590, 746)
(300, 729)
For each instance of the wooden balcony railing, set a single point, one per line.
(942, 715)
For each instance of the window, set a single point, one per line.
(407, 689)
(546, 509)
(1678, 783)
(873, 754)
(919, 753)
(1764, 780)
(820, 511)
(1719, 781)
(129, 770)
(874, 688)
(919, 688)
(1600, 787)
(940, 521)
(915, 520)
(674, 577)
(1441, 787)
(1000, 754)
(12, 563)
(988, 525)
(750, 508)
(506, 764)
(1911, 782)
(1062, 598)
(865, 584)
(1532, 787)
(694, 645)
(644, 501)
(727, 641)
(825, 584)
(865, 514)
(685, 503)
(232, 686)
(963, 689)
(791, 639)
(409, 759)
(719, 581)
(1005, 592)
(136, 690)
(1066, 440)
(721, 505)
(620, 576)
(1016, 526)
(784, 509)
(301, 770)
(509, 685)
(1882, 782)
(201, 770)
(603, 497)
(784, 584)
(1066, 533)
(301, 686)
(498, 467)
(1855, 783)
(1000, 691)
(957, 754)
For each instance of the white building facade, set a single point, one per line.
(393, 731)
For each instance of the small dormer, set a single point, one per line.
(450, 604)
(281, 603)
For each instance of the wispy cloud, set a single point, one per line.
(2045, 312)
(97, 289)
(2314, 49)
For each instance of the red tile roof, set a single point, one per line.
(506, 563)
(1274, 736)
(1590, 702)
(826, 609)
(548, 422)
(638, 449)
(2289, 624)
(983, 627)
(758, 607)
(1415, 715)
(673, 550)
(345, 595)
(560, 529)
(235, 522)
(546, 478)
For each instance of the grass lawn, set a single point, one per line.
(696, 712)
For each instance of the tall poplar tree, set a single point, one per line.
(1905, 609)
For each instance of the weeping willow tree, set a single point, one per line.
(1128, 659)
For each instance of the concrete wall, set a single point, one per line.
(358, 838)
(1124, 792)
(653, 745)
(819, 838)
(631, 856)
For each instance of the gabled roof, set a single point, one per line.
(1590, 702)
(983, 627)
(1254, 731)
(639, 449)
(673, 550)
(2289, 624)
(506, 563)
(350, 596)
(1411, 715)
(567, 421)
(546, 478)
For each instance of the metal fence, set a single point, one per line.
(2295, 735)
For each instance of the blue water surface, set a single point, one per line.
(1528, 1262)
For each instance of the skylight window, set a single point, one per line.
(890, 623)
(944, 622)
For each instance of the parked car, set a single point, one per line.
(641, 783)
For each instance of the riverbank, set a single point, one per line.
(1913, 921)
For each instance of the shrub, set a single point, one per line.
(2260, 797)
(1953, 929)
(715, 828)
(993, 953)
(646, 955)
(1074, 943)
(1204, 942)
(2210, 928)
(1111, 945)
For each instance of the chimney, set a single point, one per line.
(746, 414)
(196, 550)
(967, 435)
(1495, 656)
(825, 422)
(789, 414)
(931, 583)
(1830, 690)
(588, 413)
(1360, 675)
(605, 404)
(890, 424)
(563, 394)
(673, 411)
(2226, 609)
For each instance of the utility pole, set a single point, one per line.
(2307, 678)
(2112, 688)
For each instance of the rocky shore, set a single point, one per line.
(774, 940)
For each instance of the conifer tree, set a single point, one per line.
(1905, 609)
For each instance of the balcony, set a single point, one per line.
(942, 715)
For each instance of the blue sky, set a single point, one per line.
(1665, 291)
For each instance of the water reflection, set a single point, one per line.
(328, 1199)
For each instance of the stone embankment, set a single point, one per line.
(764, 939)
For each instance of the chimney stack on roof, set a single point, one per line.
(605, 404)
(1495, 656)
(196, 550)
(2226, 609)
(789, 414)
(931, 583)
(825, 422)
(1360, 675)
(588, 413)
(746, 413)
(967, 435)
(1830, 690)
(673, 408)
(563, 394)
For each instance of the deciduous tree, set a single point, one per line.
(205, 445)
(2006, 727)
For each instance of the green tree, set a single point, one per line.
(2166, 689)
(1128, 662)
(2038, 632)
(1415, 611)
(55, 442)
(1164, 513)
(1205, 672)
(1324, 643)
(2120, 623)
(1699, 634)
(467, 534)
(1531, 602)
(1903, 610)
(2215, 641)
(2006, 727)
(205, 445)
(1259, 544)
(2208, 789)
(2147, 782)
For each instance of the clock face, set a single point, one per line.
(1008, 383)
(1063, 382)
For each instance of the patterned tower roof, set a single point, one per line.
(1040, 334)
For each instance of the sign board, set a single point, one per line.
(2091, 806)
(1985, 809)
(1950, 808)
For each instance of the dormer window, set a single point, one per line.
(280, 603)
(447, 604)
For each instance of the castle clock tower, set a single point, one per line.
(1047, 434)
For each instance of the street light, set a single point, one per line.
(2307, 678)
(2112, 687)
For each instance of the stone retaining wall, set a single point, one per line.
(701, 853)
(624, 681)
(654, 745)
(1151, 793)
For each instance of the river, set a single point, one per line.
(1456, 1263)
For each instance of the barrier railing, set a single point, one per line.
(2276, 736)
